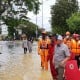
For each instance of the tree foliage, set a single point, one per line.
(29, 28)
(26, 26)
(74, 23)
(18, 14)
(30, 5)
(61, 11)
(12, 24)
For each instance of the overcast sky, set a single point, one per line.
(46, 14)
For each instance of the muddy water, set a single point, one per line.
(15, 65)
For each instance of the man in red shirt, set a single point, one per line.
(51, 54)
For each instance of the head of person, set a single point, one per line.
(44, 34)
(67, 38)
(59, 39)
(50, 36)
(68, 33)
(54, 37)
(76, 37)
(24, 36)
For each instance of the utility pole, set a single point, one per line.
(36, 22)
(42, 13)
(36, 28)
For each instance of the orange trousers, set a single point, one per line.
(44, 60)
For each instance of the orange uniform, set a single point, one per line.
(43, 51)
(68, 42)
(67, 39)
(75, 47)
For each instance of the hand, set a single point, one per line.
(62, 64)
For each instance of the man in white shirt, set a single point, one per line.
(61, 55)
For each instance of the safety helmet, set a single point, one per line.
(44, 32)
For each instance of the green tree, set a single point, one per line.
(61, 11)
(10, 11)
(28, 28)
(30, 5)
(12, 24)
(11, 18)
(74, 23)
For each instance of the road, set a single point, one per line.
(15, 65)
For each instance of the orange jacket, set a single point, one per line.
(43, 46)
(75, 46)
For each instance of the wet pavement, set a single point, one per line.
(15, 65)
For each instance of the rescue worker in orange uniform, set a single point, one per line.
(67, 41)
(43, 48)
(67, 38)
(75, 47)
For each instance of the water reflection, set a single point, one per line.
(15, 65)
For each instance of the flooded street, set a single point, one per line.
(15, 65)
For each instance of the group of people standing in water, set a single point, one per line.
(56, 50)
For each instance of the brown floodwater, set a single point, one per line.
(15, 65)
